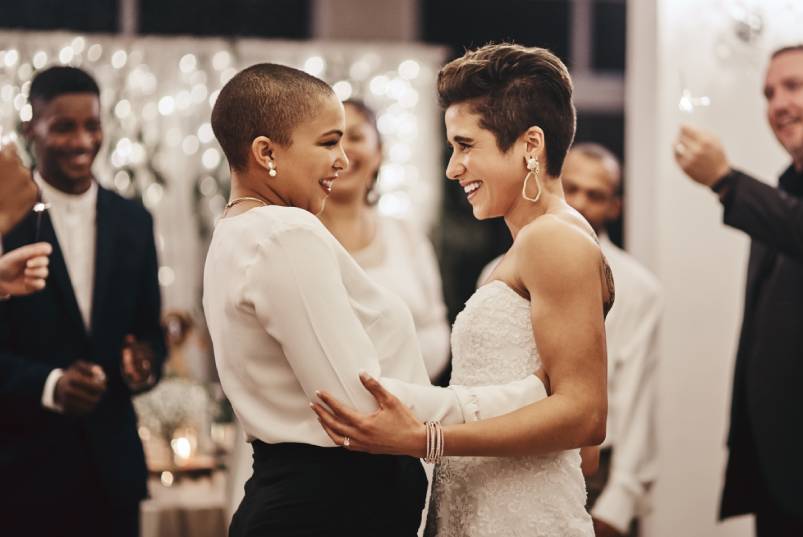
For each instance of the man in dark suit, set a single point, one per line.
(765, 467)
(72, 355)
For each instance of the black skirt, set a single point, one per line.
(302, 490)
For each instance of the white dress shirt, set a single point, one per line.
(631, 331)
(290, 312)
(74, 221)
(401, 259)
(631, 327)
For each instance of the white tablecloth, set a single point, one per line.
(188, 508)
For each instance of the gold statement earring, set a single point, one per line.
(272, 168)
(534, 169)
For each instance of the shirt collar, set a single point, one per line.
(56, 197)
(605, 241)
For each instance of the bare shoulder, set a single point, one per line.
(557, 253)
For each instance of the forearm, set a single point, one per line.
(765, 213)
(556, 423)
(460, 404)
(620, 502)
(633, 464)
(428, 403)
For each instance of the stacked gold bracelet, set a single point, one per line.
(435, 442)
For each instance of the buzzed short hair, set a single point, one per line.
(265, 99)
(788, 48)
(512, 88)
(60, 80)
(602, 154)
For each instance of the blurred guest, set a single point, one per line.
(764, 469)
(395, 254)
(72, 356)
(618, 492)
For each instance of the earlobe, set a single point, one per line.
(534, 140)
(262, 151)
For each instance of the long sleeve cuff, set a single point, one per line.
(461, 404)
(617, 506)
(49, 393)
(484, 402)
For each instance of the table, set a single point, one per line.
(187, 507)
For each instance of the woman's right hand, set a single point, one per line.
(391, 430)
(24, 270)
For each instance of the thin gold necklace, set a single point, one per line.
(235, 201)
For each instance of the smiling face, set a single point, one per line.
(66, 136)
(783, 90)
(362, 147)
(308, 166)
(491, 179)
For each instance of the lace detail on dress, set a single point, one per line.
(535, 496)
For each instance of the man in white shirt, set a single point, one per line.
(72, 355)
(618, 492)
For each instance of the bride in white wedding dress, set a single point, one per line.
(509, 117)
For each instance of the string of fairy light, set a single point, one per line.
(157, 95)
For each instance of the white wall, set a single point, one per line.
(353, 20)
(675, 227)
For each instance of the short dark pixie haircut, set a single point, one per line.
(265, 99)
(56, 81)
(513, 88)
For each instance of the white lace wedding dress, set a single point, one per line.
(535, 496)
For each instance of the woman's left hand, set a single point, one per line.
(393, 429)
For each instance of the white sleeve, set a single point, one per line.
(298, 295)
(49, 391)
(460, 404)
(634, 457)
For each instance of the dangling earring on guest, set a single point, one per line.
(534, 169)
(272, 168)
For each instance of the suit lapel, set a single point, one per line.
(105, 224)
